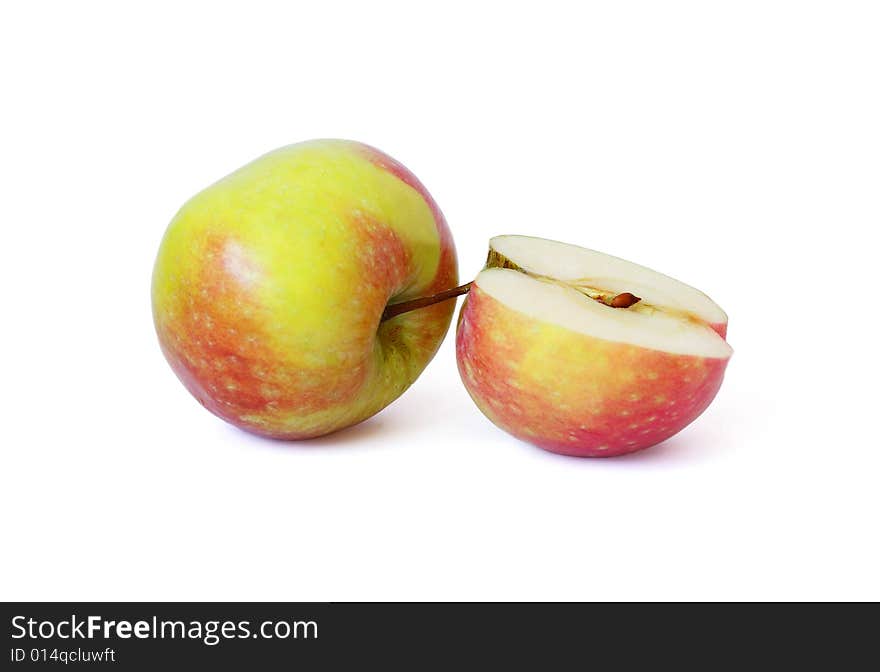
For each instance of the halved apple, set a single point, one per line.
(586, 354)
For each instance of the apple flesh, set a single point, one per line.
(546, 358)
(269, 288)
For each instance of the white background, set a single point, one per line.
(732, 145)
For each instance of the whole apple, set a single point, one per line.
(270, 285)
(586, 354)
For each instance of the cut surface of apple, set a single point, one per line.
(560, 283)
(547, 359)
(598, 274)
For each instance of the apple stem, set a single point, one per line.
(395, 309)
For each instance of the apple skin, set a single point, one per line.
(720, 328)
(269, 287)
(572, 393)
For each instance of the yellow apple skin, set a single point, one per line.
(269, 287)
(572, 393)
